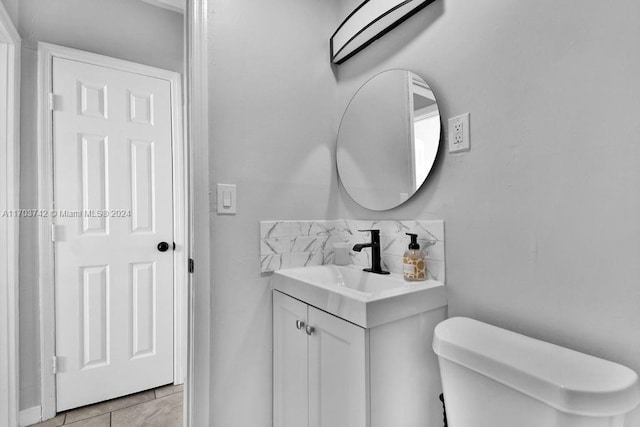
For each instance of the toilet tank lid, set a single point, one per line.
(564, 379)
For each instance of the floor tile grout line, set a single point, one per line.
(124, 407)
(155, 397)
(143, 403)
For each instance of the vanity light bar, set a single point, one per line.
(368, 22)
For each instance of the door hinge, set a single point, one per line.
(52, 101)
(53, 232)
(191, 265)
(54, 365)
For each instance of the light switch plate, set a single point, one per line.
(459, 133)
(227, 200)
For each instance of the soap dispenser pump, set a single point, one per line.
(413, 261)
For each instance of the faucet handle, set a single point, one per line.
(371, 231)
(375, 236)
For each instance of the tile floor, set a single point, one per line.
(161, 407)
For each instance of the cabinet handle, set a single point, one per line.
(299, 324)
(310, 330)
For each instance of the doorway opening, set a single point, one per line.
(114, 247)
(196, 376)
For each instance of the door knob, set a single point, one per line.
(163, 246)
(310, 330)
(299, 324)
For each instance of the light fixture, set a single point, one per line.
(368, 22)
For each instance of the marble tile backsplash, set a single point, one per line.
(287, 244)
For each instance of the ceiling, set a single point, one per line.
(177, 6)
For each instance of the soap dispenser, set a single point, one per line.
(413, 265)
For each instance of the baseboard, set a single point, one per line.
(30, 416)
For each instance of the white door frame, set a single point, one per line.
(46, 53)
(9, 200)
(197, 390)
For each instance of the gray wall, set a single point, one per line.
(273, 124)
(29, 298)
(11, 7)
(125, 29)
(542, 214)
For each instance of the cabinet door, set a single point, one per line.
(290, 382)
(338, 367)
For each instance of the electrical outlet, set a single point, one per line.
(459, 133)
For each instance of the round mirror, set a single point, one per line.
(388, 139)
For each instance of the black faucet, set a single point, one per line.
(375, 252)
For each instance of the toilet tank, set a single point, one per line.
(492, 377)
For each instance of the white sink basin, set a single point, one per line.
(366, 299)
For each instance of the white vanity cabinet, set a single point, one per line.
(320, 367)
(330, 372)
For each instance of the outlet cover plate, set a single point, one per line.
(459, 133)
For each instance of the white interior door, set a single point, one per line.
(113, 196)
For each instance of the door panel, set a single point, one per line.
(142, 183)
(113, 193)
(93, 158)
(95, 316)
(289, 362)
(338, 368)
(143, 309)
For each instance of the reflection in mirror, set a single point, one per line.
(388, 139)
